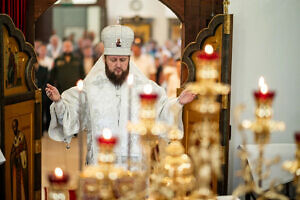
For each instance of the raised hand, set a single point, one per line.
(186, 97)
(52, 93)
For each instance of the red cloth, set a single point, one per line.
(16, 9)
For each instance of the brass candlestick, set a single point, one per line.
(176, 175)
(262, 128)
(149, 131)
(99, 181)
(178, 167)
(205, 147)
(294, 166)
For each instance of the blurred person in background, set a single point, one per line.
(42, 57)
(159, 70)
(173, 81)
(98, 51)
(41, 79)
(88, 60)
(54, 47)
(82, 43)
(151, 48)
(67, 69)
(37, 44)
(144, 61)
(169, 68)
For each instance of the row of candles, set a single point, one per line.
(60, 178)
(263, 96)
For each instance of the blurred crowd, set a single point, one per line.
(62, 62)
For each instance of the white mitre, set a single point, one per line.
(117, 40)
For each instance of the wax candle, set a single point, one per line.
(263, 93)
(208, 53)
(58, 176)
(148, 94)
(79, 85)
(106, 138)
(130, 83)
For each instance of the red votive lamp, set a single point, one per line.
(106, 138)
(58, 177)
(208, 53)
(148, 95)
(263, 93)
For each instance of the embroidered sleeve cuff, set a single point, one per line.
(59, 108)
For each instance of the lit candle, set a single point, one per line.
(130, 83)
(106, 138)
(208, 53)
(263, 93)
(58, 176)
(148, 94)
(79, 86)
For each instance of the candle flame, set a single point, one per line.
(79, 84)
(107, 133)
(262, 85)
(58, 172)
(208, 49)
(130, 79)
(261, 81)
(264, 89)
(148, 89)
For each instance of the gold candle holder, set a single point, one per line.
(99, 181)
(204, 142)
(58, 185)
(262, 128)
(177, 167)
(149, 131)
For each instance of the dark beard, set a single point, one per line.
(116, 80)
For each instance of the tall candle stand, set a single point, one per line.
(204, 141)
(294, 166)
(100, 181)
(129, 83)
(149, 131)
(262, 128)
(80, 142)
(177, 167)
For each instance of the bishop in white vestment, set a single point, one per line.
(103, 103)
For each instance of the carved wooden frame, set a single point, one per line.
(32, 95)
(224, 117)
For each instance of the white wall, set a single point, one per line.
(94, 21)
(266, 41)
(151, 9)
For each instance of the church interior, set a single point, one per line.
(240, 135)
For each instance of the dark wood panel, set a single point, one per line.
(40, 6)
(44, 26)
(197, 14)
(177, 6)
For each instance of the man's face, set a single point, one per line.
(67, 47)
(136, 50)
(117, 68)
(42, 51)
